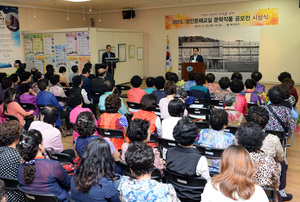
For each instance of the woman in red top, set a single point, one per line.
(237, 86)
(9, 107)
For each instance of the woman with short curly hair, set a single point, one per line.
(9, 155)
(85, 126)
(111, 119)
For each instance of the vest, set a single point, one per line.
(149, 116)
(112, 121)
(184, 160)
(75, 91)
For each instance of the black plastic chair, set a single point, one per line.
(110, 133)
(36, 197)
(10, 183)
(165, 144)
(155, 175)
(271, 194)
(251, 105)
(66, 90)
(197, 113)
(280, 135)
(133, 107)
(28, 106)
(195, 183)
(202, 125)
(10, 118)
(231, 129)
(218, 104)
(199, 103)
(123, 88)
(62, 158)
(61, 99)
(41, 107)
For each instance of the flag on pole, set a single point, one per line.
(168, 57)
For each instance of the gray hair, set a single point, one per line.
(229, 99)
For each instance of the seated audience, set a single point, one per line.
(49, 72)
(26, 97)
(199, 91)
(170, 89)
(36, 77)
(25, 78)
(3, 192)
(150, 84)
(249, 93)
(62, 79)
(9, 156)
(41, 175)
(167, 75)
(138, 131)
(94, 178)
(89, 66)
(271, 146)
(176, 109)
(78, 90)
(236, 75)
(51, 135)
(10, 107)
(15, 80)
(111, 119)
(191, 82)
(46, 98)
(257, 77)
(75, 102)
(86, 82)
(237, 86)
(86, 128)
(140, 159)
(251, 136)
(234, 182)
(212, 87)
(97, 83)
(148, 104)
(286, 102)
(235, 118)
(215, 136)
(56, 89)
(6, 83)
(286, 75)
(180, 92)
(75, 72)
(109, 88)
(184, 159)
(17, 65)
(159, 84)
(135, 94)
(281, 118)
(290, 83)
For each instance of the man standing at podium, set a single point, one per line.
(196, 57)
(109, 54)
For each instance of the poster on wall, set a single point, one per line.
(60, 55)
(83, 43)
(38, 45)
(241, 18)
(28, 44)
(71, 61)
(49, 47)
(82, 61)
(71, 44)
(39, 62)
(50, 59)
(236, 49)
(10, 42)
(29, 60)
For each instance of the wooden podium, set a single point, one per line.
(186, 67)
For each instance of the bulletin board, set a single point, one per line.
(59, 49)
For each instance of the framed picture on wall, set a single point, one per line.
(140, 53)
(131, 51)
(122, 52)
(100, 54)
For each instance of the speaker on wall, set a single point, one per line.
(92, 22)
(128, 14)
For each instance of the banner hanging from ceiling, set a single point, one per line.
(259, 17)
(10, 42)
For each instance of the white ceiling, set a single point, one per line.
(93, 6)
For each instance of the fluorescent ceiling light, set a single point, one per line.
(77, 0)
